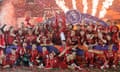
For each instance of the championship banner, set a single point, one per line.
(74, 16)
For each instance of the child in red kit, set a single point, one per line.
(33, 55)
(10, 59)
(44, 56)
(21, 51)
(51, 61)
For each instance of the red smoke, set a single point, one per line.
(7, 13)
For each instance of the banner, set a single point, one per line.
(74, 16)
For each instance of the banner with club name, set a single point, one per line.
(74, 16)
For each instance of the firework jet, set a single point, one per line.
(74, 4)
(7, 13)
(94, 6)
(105, 6)
(85, 6)
(61, 4)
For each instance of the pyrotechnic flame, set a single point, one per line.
(94, 6)
(74, 4)
(61, 4)
(106, 5)
(85, 6)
